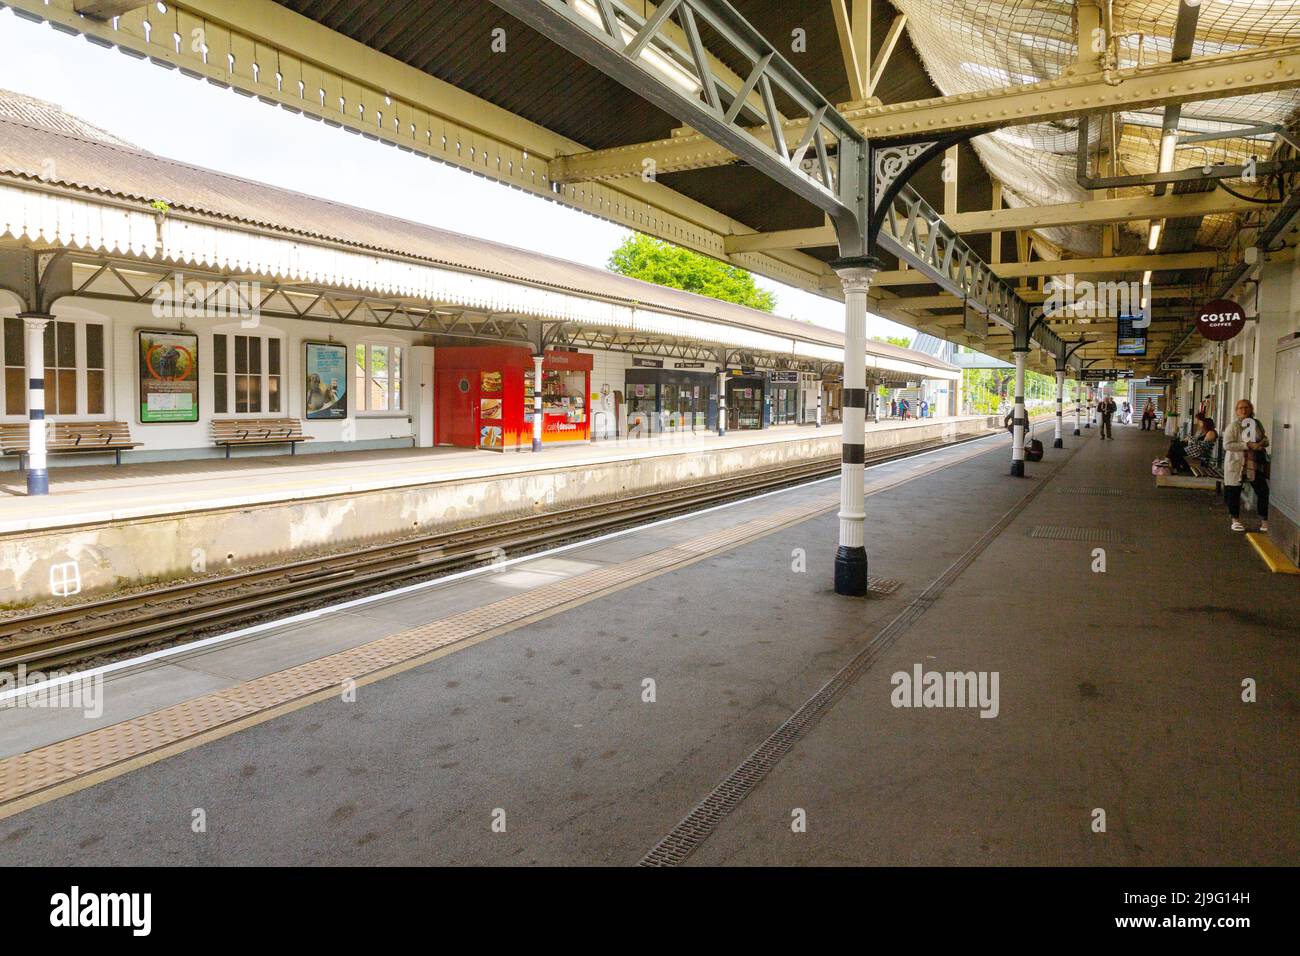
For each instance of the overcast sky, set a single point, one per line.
(193, 121)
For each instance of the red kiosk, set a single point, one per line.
(484, 396)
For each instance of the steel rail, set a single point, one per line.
(183, 611)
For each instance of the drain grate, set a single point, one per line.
(1064, 533)
(1106, 492)
(882, 585)
(700, 822)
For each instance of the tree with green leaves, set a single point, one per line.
(902, 341)
(653, 260)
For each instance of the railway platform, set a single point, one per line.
(105, 527)
(692, 692)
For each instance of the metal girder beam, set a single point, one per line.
(886, 51)
(1203, 78)
(1126, 209)
(1100, 266)
(716, 117)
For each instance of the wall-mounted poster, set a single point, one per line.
(489, 436)
(326, 383)
(169, 377)
(490, 382)
(489, 409)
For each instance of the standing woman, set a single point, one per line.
(1244, 442)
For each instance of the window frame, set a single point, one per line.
(82, 377)
(364, 392)
(263, 334)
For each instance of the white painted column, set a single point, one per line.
(537, 402)
(820, 392)
(1058, 441)
(851, 558)
(722, 403)
(1018, 420)
(1078, 406)
(38, 476)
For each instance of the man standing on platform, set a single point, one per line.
(1106, 409)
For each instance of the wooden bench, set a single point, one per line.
(65, 437)
(1203, 469)
(258, 431)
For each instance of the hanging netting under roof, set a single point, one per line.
(972, 45)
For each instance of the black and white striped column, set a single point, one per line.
(1058, 441)
(537, 401)
(1078, 406)
(851, 558)
(722, 402)
(1019, 422)
(38, 476)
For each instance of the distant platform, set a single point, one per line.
(150, 522)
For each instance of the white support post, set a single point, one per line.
(722, 403)
(1018, 420)
(851, 558)
(537, 402)
(1078, 406)
(1088, 400)
(820, 392)
(38, 476)
(1058, 441)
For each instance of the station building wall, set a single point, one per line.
(105, 333)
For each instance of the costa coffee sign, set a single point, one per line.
(1220, 320)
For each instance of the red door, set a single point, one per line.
(457, 412)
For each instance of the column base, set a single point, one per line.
(1058, 443)
(537, 444)
(1076, 433)
(851, 571)
(1089, 425)
(1017, 469)
(38, 482)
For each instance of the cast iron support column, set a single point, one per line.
(38, 477)
(1018, 419)
(820, 391)
(1058, 442)
(851, 558)
(722, 403)
(537, 402)
(1078, 406)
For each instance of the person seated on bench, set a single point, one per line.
(1200, 447)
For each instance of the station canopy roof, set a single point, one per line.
(55, 168)
(1169, 87)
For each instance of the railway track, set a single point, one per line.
(186, 611)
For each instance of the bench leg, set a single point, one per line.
(117, 453)
(227, 453)
(293, 448)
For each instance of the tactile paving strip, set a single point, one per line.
(1064, 533)
(1107, 492)
(25, 775)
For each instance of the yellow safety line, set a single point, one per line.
(1277, 562)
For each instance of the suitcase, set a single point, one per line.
(1034, 451)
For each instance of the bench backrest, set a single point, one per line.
(15, 435)
(252, 429)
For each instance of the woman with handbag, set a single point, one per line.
(1245, 462)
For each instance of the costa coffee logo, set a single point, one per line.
(1220, 320)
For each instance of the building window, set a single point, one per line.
(15, 368)
(247, 374)
(61, 368)
(378, 377)
(75, 368)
